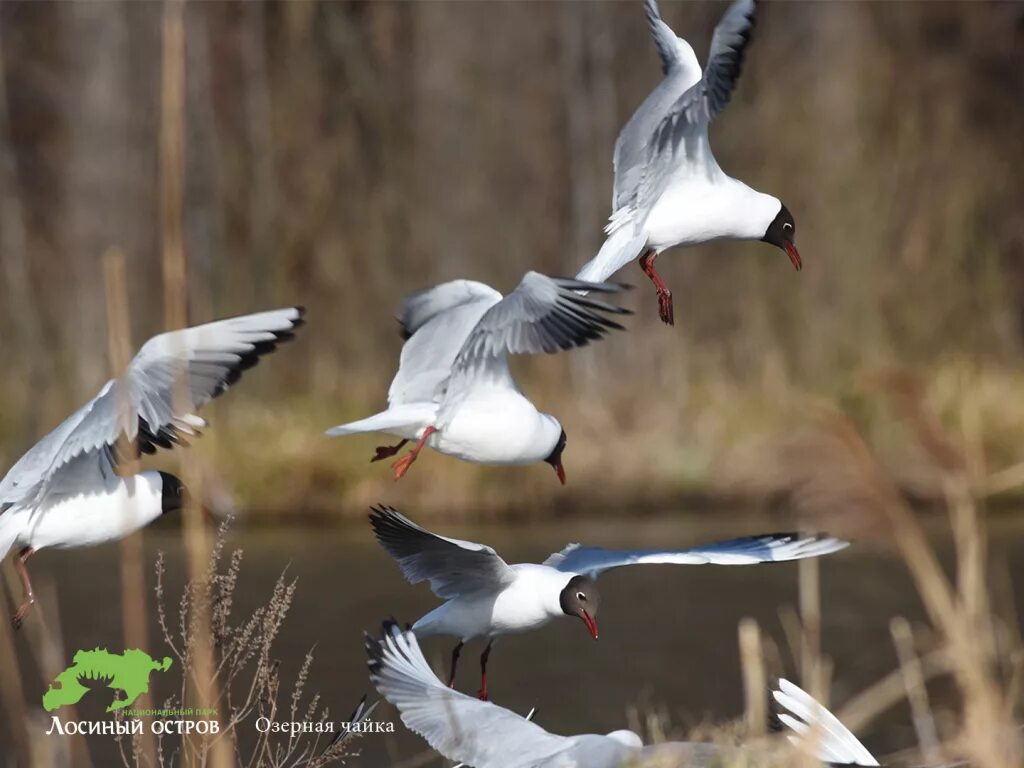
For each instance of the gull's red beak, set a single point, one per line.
(591, 624)
(560, 471)
(794, 256)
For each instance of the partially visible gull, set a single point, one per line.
(484, 735)
(65, 492)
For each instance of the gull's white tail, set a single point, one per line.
(10, 527)
(622, 246)
(818, 730)
(402, 420)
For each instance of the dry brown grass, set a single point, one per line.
(246, 677)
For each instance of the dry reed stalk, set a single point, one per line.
(917, 694)
(1009, 479)
(12, 695)
(985, 732)
(197, 750)
(172, 165)
(134, 615)
(811, 667)
(43, 638)
(53, 660)
(887, 692)
(755, 684)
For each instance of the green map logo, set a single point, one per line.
(127, 672)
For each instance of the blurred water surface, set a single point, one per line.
(668, 633)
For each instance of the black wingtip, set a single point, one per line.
(358, 710)
(385, 520)
(251, 358)
(375, 647)
(775, 724)
(374, 654)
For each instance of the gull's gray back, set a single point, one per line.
(592, 751)
(685, 754)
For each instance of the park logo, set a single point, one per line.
(126, 673)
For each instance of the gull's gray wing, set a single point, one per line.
(452, 566)
(146, 403)
(463, 728)
(708, 97)
(681, 135)
(817, 730)
(435, 324)
(675, 53)
(774, 547)
(420, 308)
(682, 71)
(543, 314)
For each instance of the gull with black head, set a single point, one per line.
(485, 597)
(669, 190)
(66, 492)
(454, 391)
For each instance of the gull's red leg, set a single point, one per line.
(26, 585)
(665, 310)
(455, 662)
(483, 671)
(387, 451)
(402, 465)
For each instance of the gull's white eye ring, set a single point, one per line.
(787, 225)
(580, 596)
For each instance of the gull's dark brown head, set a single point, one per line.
(173, 494)
(555, 458)
(782, 234)
(580, 598)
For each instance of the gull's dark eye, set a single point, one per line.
(786, 226)
(581, 597)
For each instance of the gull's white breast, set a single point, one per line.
(105, 512)
(494, 425)
(700, 207)
(531, 601)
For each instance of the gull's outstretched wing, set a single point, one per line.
(435, 324)
(452, 566)
(769, 548)
(542, 315)
(708, 97)
(153, 401)
(681, 135)
(817, 729)
(682, 71)
(676, 54)
(458, 726)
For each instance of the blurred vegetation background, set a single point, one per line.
(342, 154)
